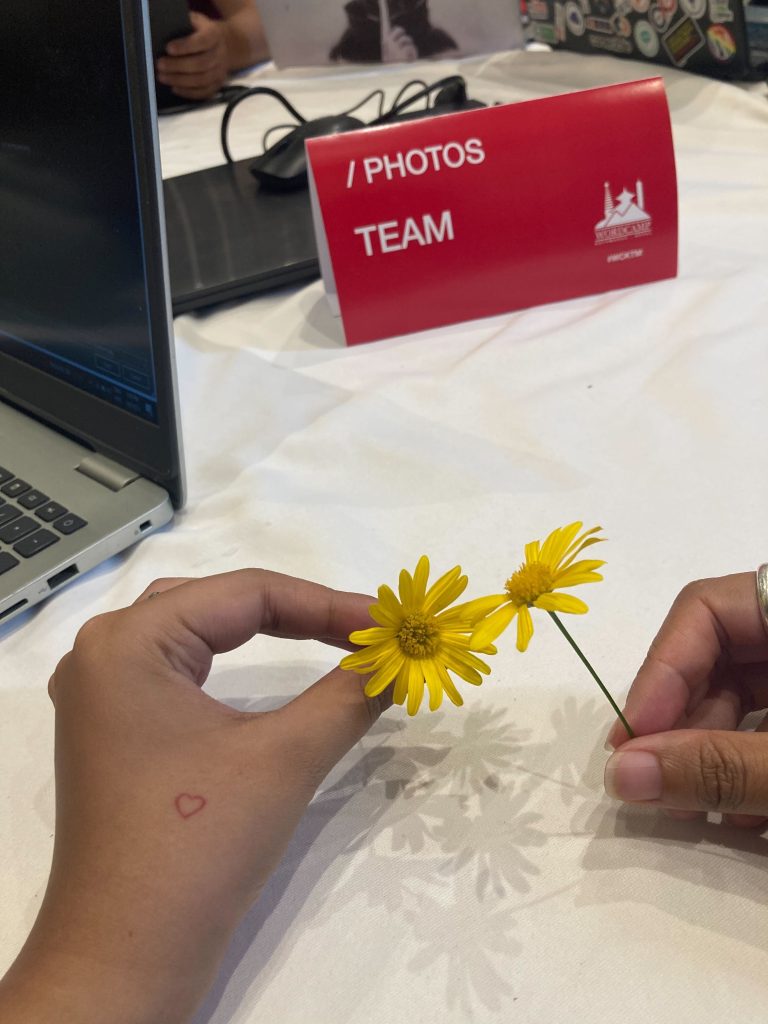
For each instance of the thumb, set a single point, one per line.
(693, 769)
(324, 722)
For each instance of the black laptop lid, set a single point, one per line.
(85, 336)
(229, 238)
(705, 36)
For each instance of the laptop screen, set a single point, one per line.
(84, 329)
(76, 305)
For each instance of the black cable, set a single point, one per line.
(259, 90)
(398, 105)
(396, 109)
(376, 92)
(274, 128)
(404, 90)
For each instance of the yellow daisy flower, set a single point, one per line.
(420, 639)
(547, 568)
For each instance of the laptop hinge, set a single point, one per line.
(106, 472)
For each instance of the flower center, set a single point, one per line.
(530, 581)
(418, 636)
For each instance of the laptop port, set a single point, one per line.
(62, 577)
(145, 525)
(13, 608)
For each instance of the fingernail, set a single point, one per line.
(633, 776)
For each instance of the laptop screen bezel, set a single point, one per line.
(151, 449)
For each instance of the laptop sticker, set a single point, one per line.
(682, 40)
(721, 43)
(646, 39)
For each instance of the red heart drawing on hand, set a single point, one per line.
(187, 804)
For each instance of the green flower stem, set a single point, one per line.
(592, 672)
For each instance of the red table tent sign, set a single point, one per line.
(451, 218)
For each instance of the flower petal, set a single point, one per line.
(373, 635)
(455, 662)
(583, 565)
(532, 551)
(444, 591)
(381, 679)
(466, 656)
(373, 656)
(405, 589)
(420, 578)
(452, 693)
(358, 661)
(434, 683)
(561, 603)
(400, 691)
(524, 628)
(580, 544)
(583, 571)
(493, 626)
(389, 603)
(415, 685)
(575, 579)
(457, 636)
(385, 617)
(557, 544)
(472, 611)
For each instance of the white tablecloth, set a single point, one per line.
(466, 865)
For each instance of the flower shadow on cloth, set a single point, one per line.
(474, 942)
(390, 828)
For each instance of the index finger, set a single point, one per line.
(708, 620)
(384, 16)
(227, 610)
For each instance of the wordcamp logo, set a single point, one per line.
(624, 217)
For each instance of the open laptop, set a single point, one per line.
(708, 37)
(89, 436)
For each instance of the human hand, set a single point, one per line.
(196, 66)
(706, 670)
(397, 45)
(172, 809)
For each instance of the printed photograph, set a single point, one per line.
(387, 31)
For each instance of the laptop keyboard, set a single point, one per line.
(29, 520)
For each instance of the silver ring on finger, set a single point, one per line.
(761, 579)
